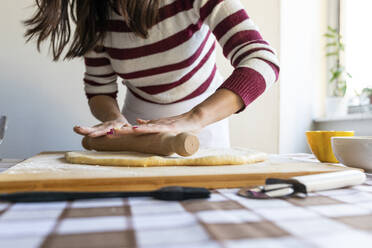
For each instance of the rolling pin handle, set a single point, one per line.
(185, 144)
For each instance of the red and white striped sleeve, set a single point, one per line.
(256, 65)
(99, 78)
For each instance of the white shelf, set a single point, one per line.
(349, 117)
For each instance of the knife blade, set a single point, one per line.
(2, 128)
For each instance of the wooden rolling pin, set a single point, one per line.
(165, 144)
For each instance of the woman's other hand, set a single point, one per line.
(103, 128)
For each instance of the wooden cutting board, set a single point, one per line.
(49, 171)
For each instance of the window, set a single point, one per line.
(356, 29)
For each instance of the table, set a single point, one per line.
(336, 218)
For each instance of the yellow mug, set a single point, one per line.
(320, 144)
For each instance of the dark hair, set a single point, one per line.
(52, 20)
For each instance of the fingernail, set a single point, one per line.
(111, 131)
(135, 127)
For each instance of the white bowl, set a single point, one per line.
(353, 151)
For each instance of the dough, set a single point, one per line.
(203, 157)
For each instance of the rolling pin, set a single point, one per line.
(165, 144)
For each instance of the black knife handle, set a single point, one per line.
(173, 193)
(176, 193)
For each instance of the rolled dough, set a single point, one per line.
(204, 157)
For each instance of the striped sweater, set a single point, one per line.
(177, 61)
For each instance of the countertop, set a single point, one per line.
(336, 218)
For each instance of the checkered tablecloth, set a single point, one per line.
(337, 218)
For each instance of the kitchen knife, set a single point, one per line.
(172, 193)
(302, 185)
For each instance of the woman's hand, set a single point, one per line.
(188, 122)
(102, 129)
(106, 110)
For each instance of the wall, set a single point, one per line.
(42, 99)
(303, 70)
(258, 126)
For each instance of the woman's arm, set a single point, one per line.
(218, 106)
(255, 62)
(101, 90)
(105, 108)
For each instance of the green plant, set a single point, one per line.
(367, 91)
(335, 47)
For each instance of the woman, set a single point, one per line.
(164, 50)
